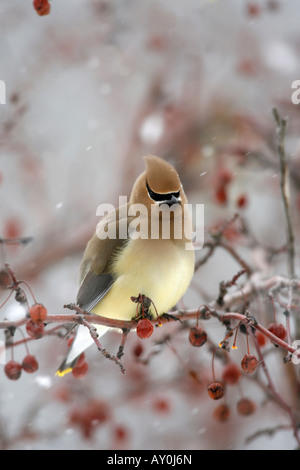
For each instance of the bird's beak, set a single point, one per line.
(171, 201)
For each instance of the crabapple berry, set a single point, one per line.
(80, 370)
(221, 195)
(221, 413)
(42, 7)
(242, 201)
(30, 364)
(35, 330)
(278, 330)
(261, 339)
(231, 374)
(137, 350)
(246, 407)
(144, 328)
(197, 336)
(215, 390)
(249, 363)
(13, 370)
(38, 313)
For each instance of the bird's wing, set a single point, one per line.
(93, 289)
(96, 281)
(95, 274)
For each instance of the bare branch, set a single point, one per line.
(285, 192)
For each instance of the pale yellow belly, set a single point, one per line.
(158, 269)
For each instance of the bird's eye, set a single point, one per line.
(160, 197)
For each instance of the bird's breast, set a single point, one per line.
(159, 269)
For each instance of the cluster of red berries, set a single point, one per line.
(223, 179)
(13, 369)
(245, 407)
(35, 326)
(231, 375)
(89, 417)
(35, 329)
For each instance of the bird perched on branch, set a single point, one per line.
(142, 247)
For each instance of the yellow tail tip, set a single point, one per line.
(61, 373)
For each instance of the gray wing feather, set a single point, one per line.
(96, 280)
(93, 288)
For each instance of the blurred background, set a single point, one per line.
(90, 89)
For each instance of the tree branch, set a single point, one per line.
(285, 193)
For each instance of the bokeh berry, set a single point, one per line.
(231, 374)
(246, 407)
(221, 413)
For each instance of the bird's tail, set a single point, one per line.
(81, 342)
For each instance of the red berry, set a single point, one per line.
(93, 414)
(161, 405)
(81, 360)
(253, 9)
(42, 7)
(242, 201)
(98, 411)
(35, 330)
(80, 370)
(221, 413)
(261, 339)
(249, 363)
(197, 336)
(246, 407)
(137, 350)
(231, 374)
(216, 390)
(223, 177)
(30, 364)
(12, 228)
(221, 195)
(120, 433)
(278, 330)
(80, 418)
(38, 313)
(144, 328)
(13, 370)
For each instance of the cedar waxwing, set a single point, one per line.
(114, 269)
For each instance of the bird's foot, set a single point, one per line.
(169, 316)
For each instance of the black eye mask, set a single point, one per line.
(159, 197)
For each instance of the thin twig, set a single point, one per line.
(94, 335)
(267, 431)
(285, 193)
(276, 396)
